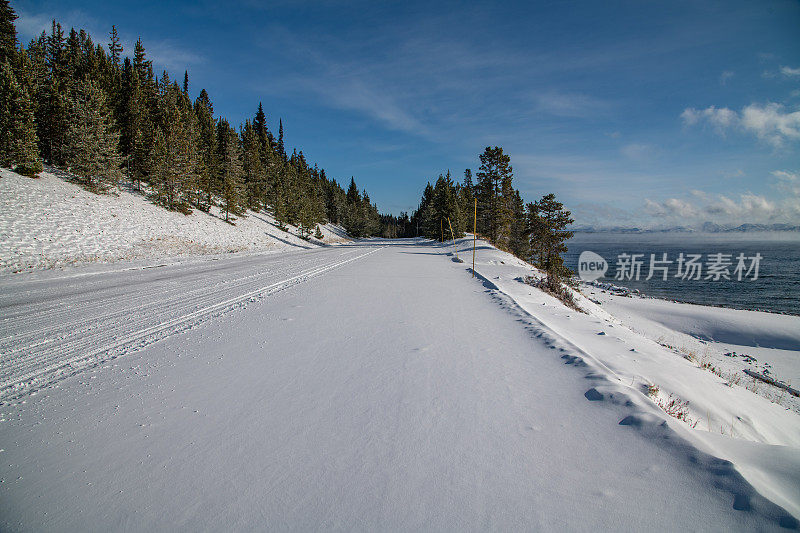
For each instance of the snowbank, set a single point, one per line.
(636, 346)
(53, 222)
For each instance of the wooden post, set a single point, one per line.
(441, 229)
(474, 235)
(452, 235)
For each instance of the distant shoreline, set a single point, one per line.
(621, 290)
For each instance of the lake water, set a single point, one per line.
(776, 289)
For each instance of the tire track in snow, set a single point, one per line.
(146, 316)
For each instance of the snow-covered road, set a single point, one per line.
(58, 324)
(387, 389)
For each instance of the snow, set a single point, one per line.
(773, 340)
(629, 341)
(375, 386)
(53, 222)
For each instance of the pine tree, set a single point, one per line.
(255, 176)
(520, 239)
(495, 167)
(8, 32)
(354, 217)
(18, 141)
(264, 135)
(207, 150)
(467, 200)
(53, 99)
(547, 223)
(92, 141)
(135, 128)
(174, 158)
(371, 217)
(186, 82)
(281, 147)
(505, 214)
(56, 54)
(230, 168)
(114, 46)
(141, 64)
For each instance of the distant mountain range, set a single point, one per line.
(707, 227)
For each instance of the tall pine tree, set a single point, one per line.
(495, 167)
(92, 141)
(18, 141)
(232, 191)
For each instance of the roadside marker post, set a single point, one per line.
(455, 246)
(474, 235)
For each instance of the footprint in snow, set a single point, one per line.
(593, 395)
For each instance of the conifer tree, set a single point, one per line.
(174, 158)
(371, 218)
(136, 134)
(505, 214)
(495, 167)
(53, 99)
(520, 239)
(281, 147)
(18, 141)
(230, 169)
(8, 32)
(255, 176)
(92, 141)
(354, 218)
(547, 223)
(56, 51)
(140, 63)
(114, 47)
(207, 150)
(262, 131)
(279, 191)
(467, 199)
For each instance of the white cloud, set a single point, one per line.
(788, 182)
(720, 118)
(768, 122)
(725, 76)
(789, 71)
(31, 25)
(727, 209)
(672, 208)
(748, 207)
(785, 175)
(169, 55)
(570, 105)
(637, 152)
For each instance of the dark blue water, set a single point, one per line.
(777, 288)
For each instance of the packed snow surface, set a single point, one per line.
(51, 221)
(373, 386)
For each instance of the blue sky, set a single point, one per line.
(633, 113)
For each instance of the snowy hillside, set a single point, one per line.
(53, 222)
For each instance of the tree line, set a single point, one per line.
(535, 231)
(83, 107)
